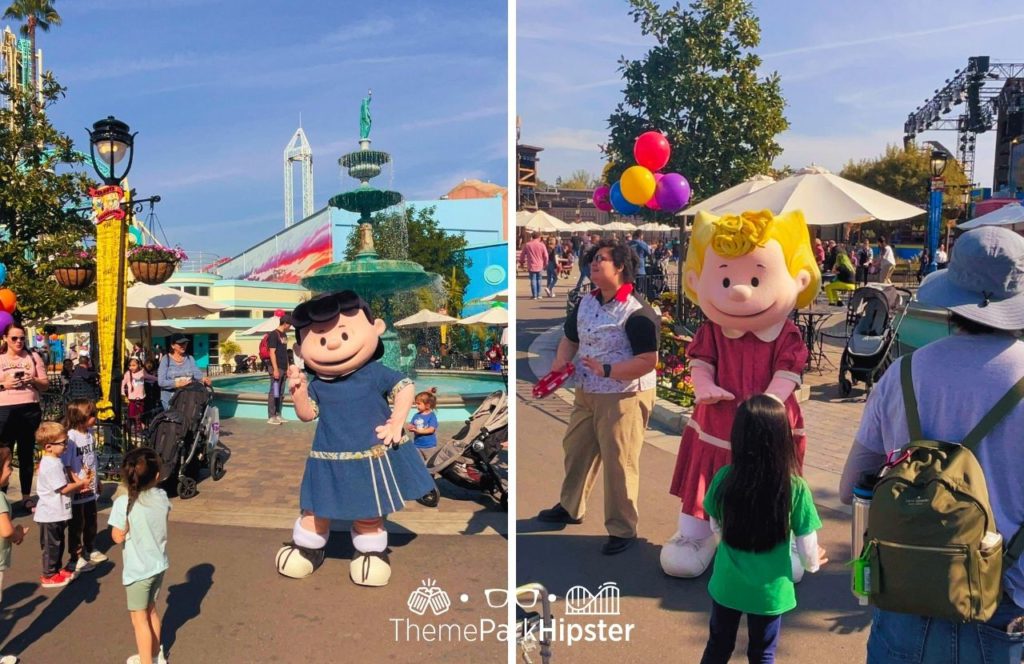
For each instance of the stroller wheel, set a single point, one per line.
(432, 499)
(845, 386)
(217, 469)
(187, 488)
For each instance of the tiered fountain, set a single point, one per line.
(369, 275)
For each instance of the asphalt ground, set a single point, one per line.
(223, 601)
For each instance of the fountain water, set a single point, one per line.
(369, 275)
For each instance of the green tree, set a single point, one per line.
(36, 14)
(37, 215)
(580, 179)
(699, 86)
(906, 174)
(421, 240)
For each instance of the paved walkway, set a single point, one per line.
(670, 614)
(223, 600)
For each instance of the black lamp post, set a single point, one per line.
(111, 140)
(938, 166)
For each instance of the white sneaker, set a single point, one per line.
(8, 659)
(84, 565)
(95, 557)
(687, 557)
(280, 420)
(134, 659)
(273, 420)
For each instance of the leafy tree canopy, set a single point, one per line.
(37, 217)
(699, 86)
(906, 174)
(580, 179)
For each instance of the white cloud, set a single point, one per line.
(833, 151)
(466, 116)
(561, 138)
(895, 36)
(369, 28)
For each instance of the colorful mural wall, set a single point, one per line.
(287, 256)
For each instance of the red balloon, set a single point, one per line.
(652, 150)
(8, 300)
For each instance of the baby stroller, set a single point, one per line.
(186, 438)
(242, 364)
(470, 458)
(874, 315)
(530, 640)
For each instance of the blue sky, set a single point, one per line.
(851, 72)
(215, 89)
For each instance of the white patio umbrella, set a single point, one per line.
(650, 226)
(523, 216)
(542, 221)
(493, 316)
(1008, 215)
(736, 191)
(425, 318)
(145, 303)
(267, 325)
(500, 296)
(824, 198)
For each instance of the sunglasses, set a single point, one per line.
(602, 259)
(16, 338)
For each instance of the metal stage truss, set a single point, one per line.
(990, 91)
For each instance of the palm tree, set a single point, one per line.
(36, 14)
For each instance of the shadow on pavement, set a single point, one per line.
(83, 590)
(184, 601)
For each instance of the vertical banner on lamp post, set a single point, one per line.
(934, 221)
(109, 228)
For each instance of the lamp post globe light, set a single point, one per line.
(938, 166)
(110, 142)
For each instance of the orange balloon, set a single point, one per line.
(8, 300)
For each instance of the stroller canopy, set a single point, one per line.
(875, 307)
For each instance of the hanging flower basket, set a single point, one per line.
(75, 278)
(153, 264)
(74, 269)
(152, 273)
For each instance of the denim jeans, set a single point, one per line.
(552, 277)
(535, 284)
(762, 632)
(908, 639)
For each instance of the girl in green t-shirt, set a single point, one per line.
(756, 504)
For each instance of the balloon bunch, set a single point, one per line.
(642, 185)
(8, 300)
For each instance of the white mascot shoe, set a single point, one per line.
(298, 562)
(370, 569)
(687, 557)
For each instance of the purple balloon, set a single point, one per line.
(673, 192)
(5, 320)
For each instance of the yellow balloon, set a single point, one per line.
(637, 185)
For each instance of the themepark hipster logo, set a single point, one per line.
(539, 624)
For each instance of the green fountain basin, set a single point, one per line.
(363, 157)
(366, 200)
(369, 277)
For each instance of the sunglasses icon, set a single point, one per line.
(497, 598)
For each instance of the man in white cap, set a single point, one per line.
(956, 381)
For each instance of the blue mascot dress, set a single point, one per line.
(349, 475)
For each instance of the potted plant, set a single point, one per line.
(228, 350)
(154, 264)
(75, 269)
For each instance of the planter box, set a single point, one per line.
(152, 273)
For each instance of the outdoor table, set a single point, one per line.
(810, 321)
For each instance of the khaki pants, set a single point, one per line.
(606, 428)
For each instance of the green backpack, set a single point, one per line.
(931, 544)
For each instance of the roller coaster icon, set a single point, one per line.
(581, 602)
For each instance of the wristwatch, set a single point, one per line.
(607, 371)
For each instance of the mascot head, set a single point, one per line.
(337, 334)
(748, 271)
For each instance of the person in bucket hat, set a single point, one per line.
(957, 380)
